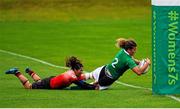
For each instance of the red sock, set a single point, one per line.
(17, 74)
(24, 82)
(32, 74)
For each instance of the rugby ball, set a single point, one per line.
(141, 64)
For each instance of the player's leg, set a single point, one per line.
(105, 79)
(88, 76)
(20, 76)
(98, 75)
(94, 74)
(32, 74)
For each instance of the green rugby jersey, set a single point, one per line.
(120, 64)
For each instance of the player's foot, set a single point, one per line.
(12, 71)
(28, 70)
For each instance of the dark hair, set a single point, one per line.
(73, 63)
(126, 43)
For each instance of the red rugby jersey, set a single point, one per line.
(65, 79)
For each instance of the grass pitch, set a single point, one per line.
(92, 39)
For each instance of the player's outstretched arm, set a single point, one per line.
(85, 85)
(139, 70)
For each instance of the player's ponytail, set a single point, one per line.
(73, 63)
(120, 43)
(125, 43)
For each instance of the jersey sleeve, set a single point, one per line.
(131, 63)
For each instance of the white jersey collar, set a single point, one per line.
(126, 52)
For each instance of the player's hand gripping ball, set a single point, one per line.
(141, 64)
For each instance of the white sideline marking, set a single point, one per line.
(34, 59)
(139, 87)
(133, 86)
(61, 67)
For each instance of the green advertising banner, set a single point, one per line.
(166, 46)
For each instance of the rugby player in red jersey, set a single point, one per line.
(74, 75)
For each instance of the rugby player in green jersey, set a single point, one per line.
(105, 75)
